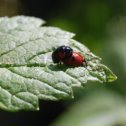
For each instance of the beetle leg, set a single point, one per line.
(85, 63)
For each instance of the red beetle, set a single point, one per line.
(66, 55)
(75, 60)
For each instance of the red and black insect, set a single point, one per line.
(75, 60)
(61, 53)
(70, 58)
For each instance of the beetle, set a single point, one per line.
(66, 55)
(62, 52)
(75, 60)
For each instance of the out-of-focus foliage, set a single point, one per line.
(100, 108)
(9, 7)
(116, 52)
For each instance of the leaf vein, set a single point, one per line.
(44, 82)
(5, 53)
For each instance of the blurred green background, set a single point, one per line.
(101, 26)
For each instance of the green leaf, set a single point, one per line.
(99, 108)
(27, 72)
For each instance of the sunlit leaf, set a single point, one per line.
(27, 72)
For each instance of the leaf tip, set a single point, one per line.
(112, 78)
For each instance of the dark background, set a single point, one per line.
(96, 24)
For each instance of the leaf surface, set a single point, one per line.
(27, 72)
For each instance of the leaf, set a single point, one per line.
(27, 72)
(99, 108)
